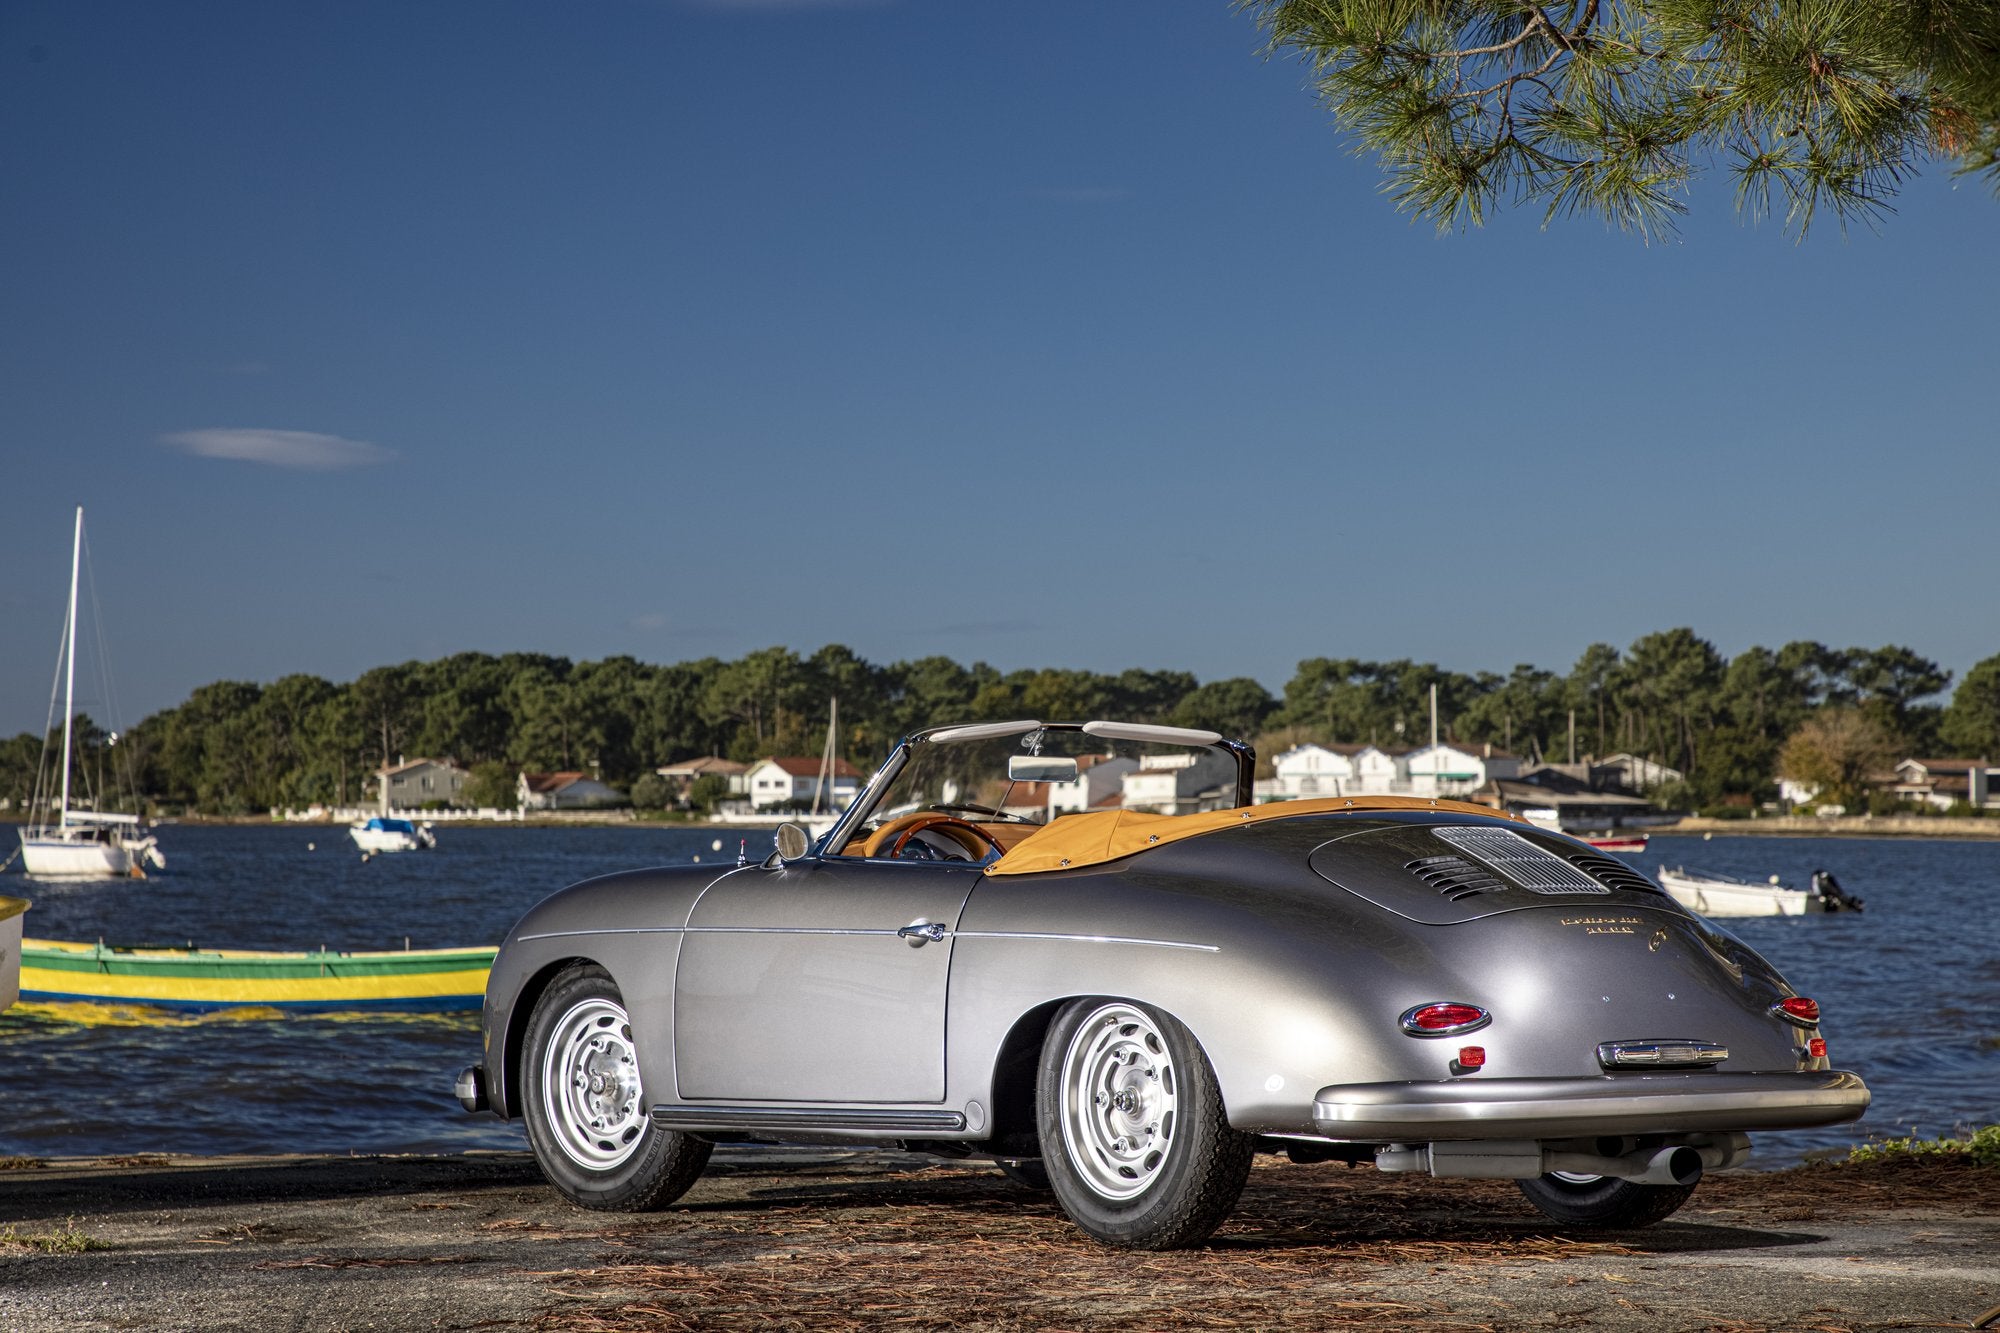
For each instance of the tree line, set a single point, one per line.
(1728, 724)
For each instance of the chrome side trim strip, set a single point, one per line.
(892, 934)
(801, 1119)
(1084, 939)
(714, 930)
(628, 930)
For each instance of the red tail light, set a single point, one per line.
(1444, 1019)
(1797, 1009)
(1471, 1057)
(1816, 1048)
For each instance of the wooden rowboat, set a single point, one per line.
(323, 980)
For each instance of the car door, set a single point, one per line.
(794, 984)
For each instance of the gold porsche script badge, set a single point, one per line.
(1605, 925)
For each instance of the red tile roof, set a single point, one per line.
(801, 767)
(698, 767)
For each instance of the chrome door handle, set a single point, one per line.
(920, 933)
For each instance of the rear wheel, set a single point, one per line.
(1603, 1201)
(586, 1113)
(1134, 1138)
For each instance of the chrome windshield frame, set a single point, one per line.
(870, 796)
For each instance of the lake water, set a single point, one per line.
(1910, 988)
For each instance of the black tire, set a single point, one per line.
(1134, 1138)
(1603, 1201)
(1029, 1174)
(587, 1116)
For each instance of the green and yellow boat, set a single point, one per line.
(315, 981)
(10, 949)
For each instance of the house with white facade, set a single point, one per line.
(1099, 785)
(1181, 784)
(1944, 782)
(1308, 771)
(1456, 771)
(1635, 773)
(687, 772)
(565, 791)
(784, 780)
(414, 784)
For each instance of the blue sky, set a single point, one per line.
(1041, 334)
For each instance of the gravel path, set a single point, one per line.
(833, 1240)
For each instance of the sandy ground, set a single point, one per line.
(835, 1240)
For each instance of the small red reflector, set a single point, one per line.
(1474, 1057)
(1800, 1008)
(1816, 1048)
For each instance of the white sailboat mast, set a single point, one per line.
(69, 664)
(828, 755)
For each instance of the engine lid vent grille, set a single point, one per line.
(1454, 877)
(1518, 860)
(1612, 873)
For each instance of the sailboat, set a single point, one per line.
(829, 765)
(83, 844)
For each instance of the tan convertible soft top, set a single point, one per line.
(1098, 836)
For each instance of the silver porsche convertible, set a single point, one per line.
(1080, 951)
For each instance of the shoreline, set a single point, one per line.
(1936, 828)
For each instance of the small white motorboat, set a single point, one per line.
(382, 834)
(1724, 895)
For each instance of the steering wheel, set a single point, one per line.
(890, 839)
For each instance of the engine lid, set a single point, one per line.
(1444, 874)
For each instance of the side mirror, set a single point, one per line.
(1040, 768)
(793, 842)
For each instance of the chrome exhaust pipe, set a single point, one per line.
(1671, 1166)
(1678, 1165)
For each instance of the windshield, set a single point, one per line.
(969, 776)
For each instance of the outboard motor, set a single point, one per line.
(1836, 898)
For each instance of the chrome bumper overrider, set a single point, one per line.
(1543, 1108)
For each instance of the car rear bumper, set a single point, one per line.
(470, 1089)
(1549, 1108)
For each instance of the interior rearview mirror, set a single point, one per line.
(793, 842)
(1040, 768)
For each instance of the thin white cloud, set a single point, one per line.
(649, 620)
(279, 448)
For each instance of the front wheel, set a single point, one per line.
(1134, 1138)
(1603, 1201)
(586, 1114)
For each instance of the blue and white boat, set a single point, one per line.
(383, 834)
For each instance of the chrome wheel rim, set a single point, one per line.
(590, 1085)
(1574, 1177)
(1120, 1101)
